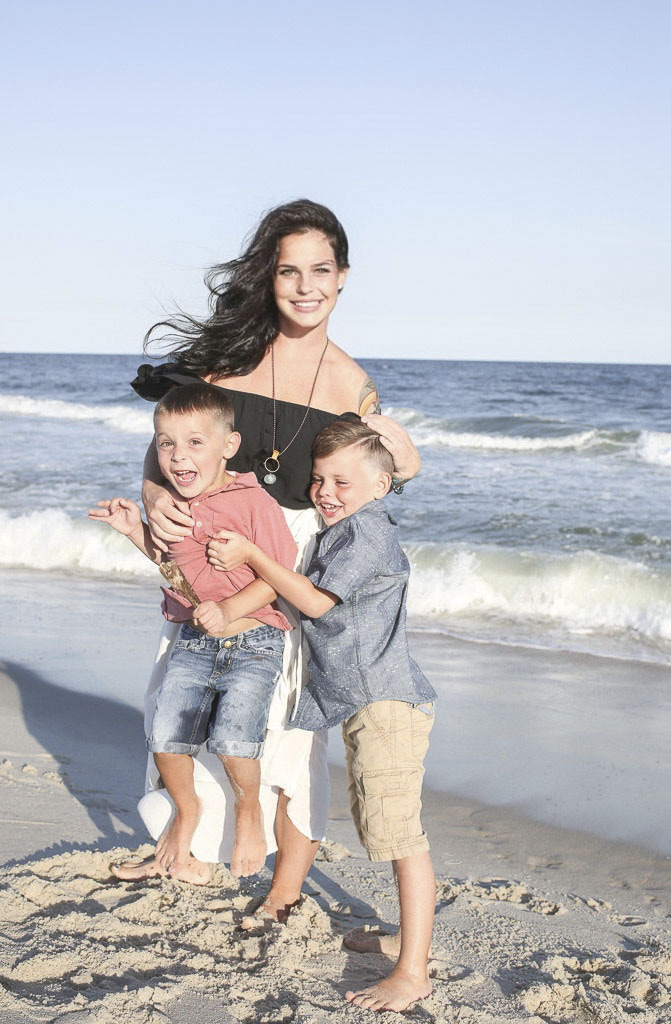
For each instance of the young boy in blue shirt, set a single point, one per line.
(353, 600)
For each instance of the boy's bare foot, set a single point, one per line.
(397, 992)
(173, 850)
(249, 846)
(195, 871)
(364, 940)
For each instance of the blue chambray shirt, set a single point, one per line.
(358, 649)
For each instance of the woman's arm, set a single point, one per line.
(395, 438)
(168, 515)
(364, 396)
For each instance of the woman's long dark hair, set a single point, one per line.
(243, 316)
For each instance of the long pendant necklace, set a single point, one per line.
(273, 470)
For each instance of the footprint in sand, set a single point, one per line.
(591, 902)
(497, 889)
(617, 988)
(102, 1017)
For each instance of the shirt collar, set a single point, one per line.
(240, 482)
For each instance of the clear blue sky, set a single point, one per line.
(501, 167)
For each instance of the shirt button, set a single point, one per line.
(229, 643)
(199, 523)
(196, 503)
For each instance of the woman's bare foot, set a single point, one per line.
(268, 911)
(397, 992)
(249, 846)
(195, 871)
(364, 940)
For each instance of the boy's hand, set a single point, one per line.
(120, 513)
(212, 617)
(228, 550)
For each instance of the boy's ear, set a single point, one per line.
(232, 444)
(382, 485)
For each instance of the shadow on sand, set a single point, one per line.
(99, 749)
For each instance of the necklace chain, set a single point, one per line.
(272, 471)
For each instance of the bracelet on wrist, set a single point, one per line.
(397, 484)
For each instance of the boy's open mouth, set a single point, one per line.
(328, 509)
(184, 476)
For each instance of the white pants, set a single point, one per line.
(293, 760)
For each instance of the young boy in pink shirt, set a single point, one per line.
(228, 654)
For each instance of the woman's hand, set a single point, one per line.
(397, 440)
(167, 515)
(228, 550)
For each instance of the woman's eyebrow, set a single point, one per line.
(319, 263)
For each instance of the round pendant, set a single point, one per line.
(271, 474)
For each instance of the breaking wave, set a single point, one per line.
(118, 417)
(517, 436)
(50, 540)
(528, 436)
(582, 593)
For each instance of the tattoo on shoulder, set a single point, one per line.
(369, 401)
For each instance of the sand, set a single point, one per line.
(533, 923)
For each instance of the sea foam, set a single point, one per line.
(582, 593)
(119, 417)
(49, 540)
(432, 432)
(427, 431)
(654, 446)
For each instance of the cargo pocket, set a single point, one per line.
(390, 803)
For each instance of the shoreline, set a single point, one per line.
(573, 740)
(519, 902)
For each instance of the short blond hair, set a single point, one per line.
(352, 433)
(198, 397)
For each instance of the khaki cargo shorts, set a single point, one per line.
(385, 746)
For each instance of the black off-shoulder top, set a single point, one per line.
(254, 421)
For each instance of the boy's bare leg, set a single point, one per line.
(174, 847)
(409, 979)
(249, 845)
(293, 860)
(173, 850)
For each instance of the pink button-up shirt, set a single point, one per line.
(243, 506)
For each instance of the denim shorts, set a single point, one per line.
(217, 689)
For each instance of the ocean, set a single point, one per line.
(540, 517)
(538, 533)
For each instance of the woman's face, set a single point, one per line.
(306, 282)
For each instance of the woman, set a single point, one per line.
(266, 343)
